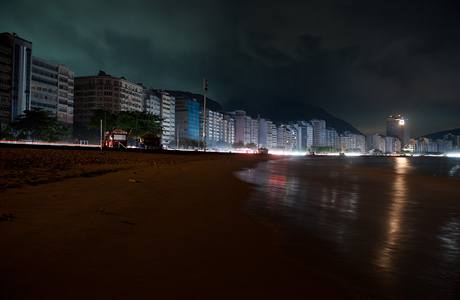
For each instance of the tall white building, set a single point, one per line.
(351, 142)
(274, 140)
(303, 132)
(304, 136)
(265, 133)
(214, 127)
(287, 138)
(152, 102)
(229, 129)
(168, 118)
(375, 142)
(392, 145)
(254, 131)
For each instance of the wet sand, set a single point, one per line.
(170, 230)
(389, 228)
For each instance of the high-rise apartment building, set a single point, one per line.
(15, 76)
(254, 132)
(229, 129)
(214, 127)
(426, 145)
(152, 103)
(454, 140)
(351, 142)
(168, 118)
(286, 137)
(398, 126)
(52, 89)
(187, 120)
(392, 145)
(243, 124)
(375, 142)
(265, 133)
(444, 145)
(332, 138)
(274, 141)
(319, 133)
(105, 92)
(306, 136)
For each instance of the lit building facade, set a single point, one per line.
(265, 133)
(351, 142)
(286, 138)
(187, 120)
(303, 132)
(306, 136)
(214, 127)
(168, 118)
(274, 140)
(254, 132)
(448, 143)
(392, 145)
(15, 76)
(229, 129)
(375, 142)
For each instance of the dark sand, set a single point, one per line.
(161, 227)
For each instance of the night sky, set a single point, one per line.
(359, 60)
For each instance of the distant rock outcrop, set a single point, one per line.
(314, 112)
(311, 112)
(441, 134)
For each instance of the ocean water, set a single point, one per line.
(384, 228)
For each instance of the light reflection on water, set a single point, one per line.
(395, 221)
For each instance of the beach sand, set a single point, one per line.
(154, 227)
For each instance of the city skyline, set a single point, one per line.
(31, 82)
(355, 77)
(50, 63)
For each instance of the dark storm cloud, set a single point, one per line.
(360, 60)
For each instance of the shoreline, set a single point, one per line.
(32, 166)
(167, 231)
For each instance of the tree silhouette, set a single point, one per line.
(37, 124)
(135, 123)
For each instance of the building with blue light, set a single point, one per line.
(187, 120)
